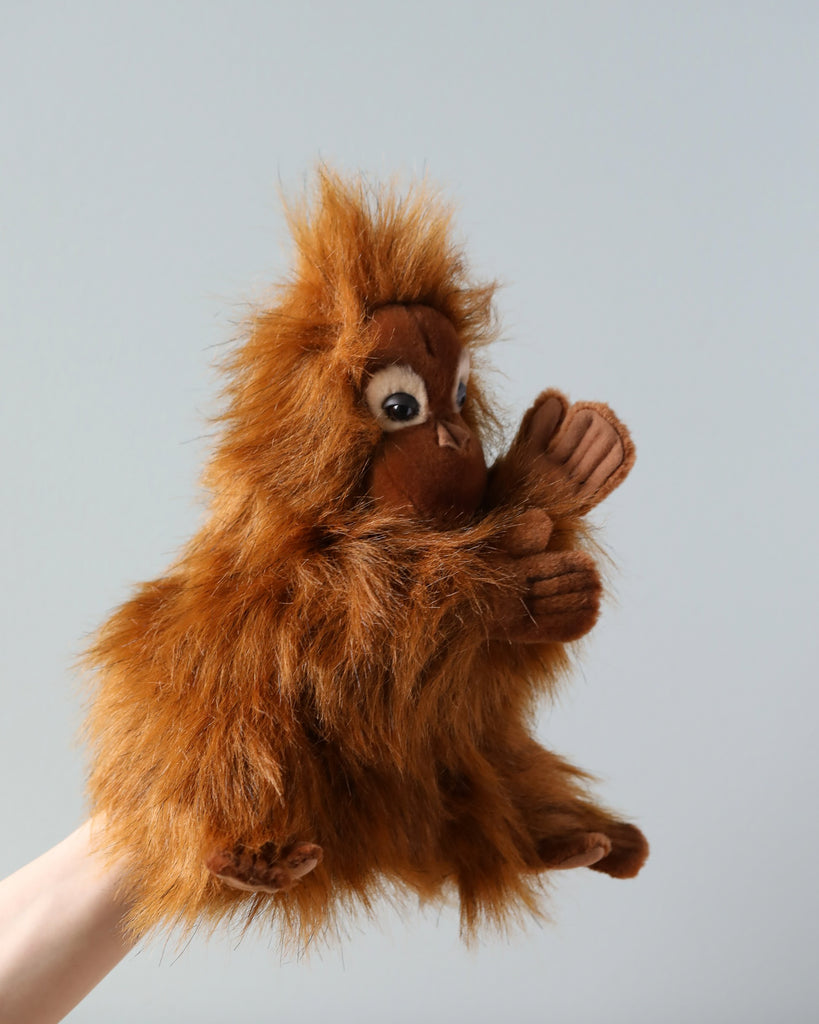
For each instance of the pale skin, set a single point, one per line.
(60, 930)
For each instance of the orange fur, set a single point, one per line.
(316, 669)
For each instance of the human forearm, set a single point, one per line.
(60, 931)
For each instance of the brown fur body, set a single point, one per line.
(317, 668)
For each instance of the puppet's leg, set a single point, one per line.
(568, 829)
(265, 869)
(583, 450)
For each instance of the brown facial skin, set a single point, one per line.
(436, 468)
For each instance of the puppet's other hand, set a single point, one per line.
(583, 449)
(552, 596)
(266, 869)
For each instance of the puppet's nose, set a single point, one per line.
(452, 435)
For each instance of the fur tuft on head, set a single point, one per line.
(293, 428)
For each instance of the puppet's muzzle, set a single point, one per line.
(452, 435)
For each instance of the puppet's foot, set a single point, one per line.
(629, 850)
(620, 851)
(266, 869)
(580, 850)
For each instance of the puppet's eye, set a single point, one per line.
(397, 397)
(401, 407)
(459, 394)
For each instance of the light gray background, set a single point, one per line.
(643, 177)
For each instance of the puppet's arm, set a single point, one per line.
(564, 460)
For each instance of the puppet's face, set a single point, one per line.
(428, 459)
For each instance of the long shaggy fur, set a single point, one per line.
(314, 669)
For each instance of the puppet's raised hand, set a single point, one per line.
(583, 449)
(549, 595)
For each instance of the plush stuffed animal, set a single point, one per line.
(331, 692)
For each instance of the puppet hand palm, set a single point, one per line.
(583, 446)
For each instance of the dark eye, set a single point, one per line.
(460, 398)
(401, 407)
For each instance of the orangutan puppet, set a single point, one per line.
(331, 693)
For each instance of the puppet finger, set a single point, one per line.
(543, 419)
(580, 601)
(303, 858)
(579, 851)
(553, 565)
(530, 535)
(580, 581)
(564, 619)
